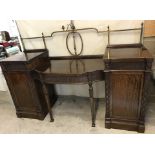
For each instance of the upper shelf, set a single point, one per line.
(127, 51)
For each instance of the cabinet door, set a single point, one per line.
(125, 94)
(22, 90)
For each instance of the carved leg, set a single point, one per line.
(48, 102)
(92, 103)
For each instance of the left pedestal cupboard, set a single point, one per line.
(26, 93)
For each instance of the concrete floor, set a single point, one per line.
(72, 115)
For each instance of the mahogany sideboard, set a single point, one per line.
(28, 89)
(126, 70)
(127, 75)
(26, 93)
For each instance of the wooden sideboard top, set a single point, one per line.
(75, 66)
(24, 57)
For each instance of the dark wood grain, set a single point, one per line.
(78, 66)
(126, 100)
(127, 73)
(126, 69)
(26, 92)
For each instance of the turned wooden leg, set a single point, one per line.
(92, 103)
(45, 89)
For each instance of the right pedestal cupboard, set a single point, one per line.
(127, 74)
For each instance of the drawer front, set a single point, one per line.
(125, 65)
(13, 66)
(38, 62)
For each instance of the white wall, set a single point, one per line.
(93, 43)
(9, 25)
(3, 85)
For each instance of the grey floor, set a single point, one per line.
(72, 115)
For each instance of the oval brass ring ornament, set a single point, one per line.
(74, 34)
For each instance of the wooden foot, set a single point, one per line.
(141, 128)
(93, 124)
(52, 120)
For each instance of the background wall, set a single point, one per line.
(3, 85)
(149, 28)
(10, 26)
(93, 43)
